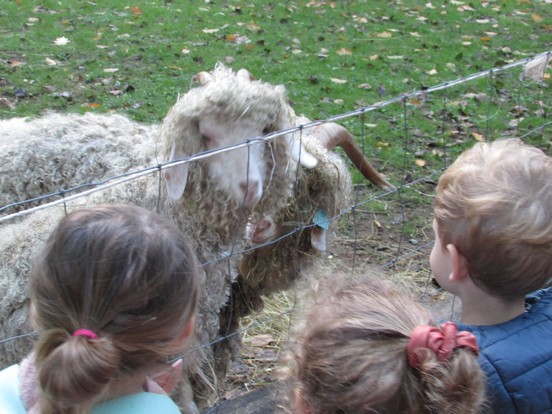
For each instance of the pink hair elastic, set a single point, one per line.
(86, 333)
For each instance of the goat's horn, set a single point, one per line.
(331, 135)
(202, 78)
(244, 73)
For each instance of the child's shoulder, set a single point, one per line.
(517, 355)
(542, 298)
(537, 319)
(9, 391)
(140, 403)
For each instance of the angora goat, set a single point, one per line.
(210, 198)
(217, 192)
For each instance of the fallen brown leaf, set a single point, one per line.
(14, 63)
(344, 51)
(478, 136)
(338, 81)
(61, 41)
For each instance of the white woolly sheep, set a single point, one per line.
(210, 199)
(325, 185)
(34, 160)
(238, 108)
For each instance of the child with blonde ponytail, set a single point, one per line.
(113, 296)
(368, 348)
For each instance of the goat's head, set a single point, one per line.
(226, 110)
(322, 192)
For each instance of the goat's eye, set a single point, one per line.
(267, 130)
(210, 142)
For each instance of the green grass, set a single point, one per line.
(333, 57)
(363, 42)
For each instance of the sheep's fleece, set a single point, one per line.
(218, 195)
(59, 151)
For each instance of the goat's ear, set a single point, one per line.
(177, 176)
(245, 74)
(202, 78)
(318, 238)
(299, 153)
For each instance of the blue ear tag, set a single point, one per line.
(321, 219)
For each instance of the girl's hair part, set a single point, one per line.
(127, 276)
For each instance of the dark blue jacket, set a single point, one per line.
(517, 358)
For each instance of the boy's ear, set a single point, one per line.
(459, 264)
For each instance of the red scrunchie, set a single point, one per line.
(442, 342)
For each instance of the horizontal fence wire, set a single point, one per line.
(120, 179)
(86, 189)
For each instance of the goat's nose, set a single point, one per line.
(251, 192)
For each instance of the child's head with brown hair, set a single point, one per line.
(114, 291)
(494, 204)
(353, 350)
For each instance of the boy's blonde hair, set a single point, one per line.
(350, 356)
(494, 203)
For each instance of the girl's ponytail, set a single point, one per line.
(74, 371)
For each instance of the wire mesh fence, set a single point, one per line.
(412, 138)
